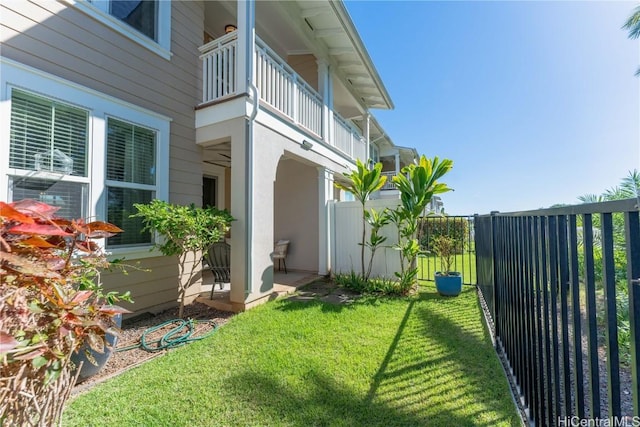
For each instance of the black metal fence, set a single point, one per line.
(461, 229)
(562, 286)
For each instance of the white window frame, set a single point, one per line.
(100, 106)
(99, 10)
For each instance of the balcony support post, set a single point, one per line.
(326, 91)
(367, 138)
(325, 195)
(246, 45)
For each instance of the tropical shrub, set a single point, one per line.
(187, 230)
(51, 303)
(376, 221)
(362, 183)
(432, 227)
(358, 283)
(417, 184)
(445, 248)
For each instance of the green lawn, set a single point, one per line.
(424, 361)
(465, 264)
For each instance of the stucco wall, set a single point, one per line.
(296, 213)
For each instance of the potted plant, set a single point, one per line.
(448, 282)
(50, 305)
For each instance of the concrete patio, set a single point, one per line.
(283, 284)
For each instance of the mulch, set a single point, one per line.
(132, 330)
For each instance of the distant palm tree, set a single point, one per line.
(629, 188)
(631, 184)
(633, 25)
(591, 198)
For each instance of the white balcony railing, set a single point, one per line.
(219, 74)
(389, 184)
(279, 87)
(284, 90)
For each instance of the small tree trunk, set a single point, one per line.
(182, 289)
(363, 239)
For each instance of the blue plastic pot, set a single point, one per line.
(450, 284)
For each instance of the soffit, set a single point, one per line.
(332, 27)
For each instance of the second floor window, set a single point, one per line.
(141, 15)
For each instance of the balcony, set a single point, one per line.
(388, 185)
(280, 89)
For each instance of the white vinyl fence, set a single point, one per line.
(346, 234)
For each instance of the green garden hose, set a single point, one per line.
(181, 333)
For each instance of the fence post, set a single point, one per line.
(632, 237)
(494, 273)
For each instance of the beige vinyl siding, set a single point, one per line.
(59, 39)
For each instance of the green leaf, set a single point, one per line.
(39, 362)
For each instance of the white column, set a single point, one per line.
(397, 163)
(325, 194)
(246, 44)
(326, 91)
(367, 138)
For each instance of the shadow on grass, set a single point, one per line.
(440, 369)
(325, 403)
(442, 353)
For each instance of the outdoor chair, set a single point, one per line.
(280, 253)
(218, 257)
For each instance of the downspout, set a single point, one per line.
(249, 184)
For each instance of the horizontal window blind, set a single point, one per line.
(131, 153)
(41, 126)
(131, 159)
(70, 197)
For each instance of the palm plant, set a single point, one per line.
(362, 183)
(376, 221)
(417, 184)
(633, 26)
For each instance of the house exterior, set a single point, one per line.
(256, 107)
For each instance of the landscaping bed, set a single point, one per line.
(133, 329)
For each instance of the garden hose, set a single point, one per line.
(181, 333)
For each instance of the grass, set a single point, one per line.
(425, 361)
(464, 263)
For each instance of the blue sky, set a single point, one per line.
(536, 102)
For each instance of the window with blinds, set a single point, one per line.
(69, 197)
(131, 153)
(41, 126)
(131, 178)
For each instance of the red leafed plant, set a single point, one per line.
(51, 303)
